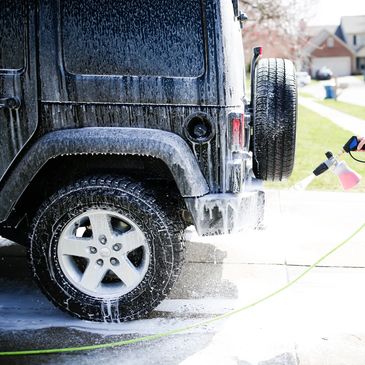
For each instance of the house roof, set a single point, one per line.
(313, 30)
(353, 24)
(316, 41)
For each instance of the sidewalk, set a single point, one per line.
(343, 120)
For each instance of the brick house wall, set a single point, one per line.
(338, 50)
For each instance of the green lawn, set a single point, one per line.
(354, 110)
(305, 94)
(315, 136)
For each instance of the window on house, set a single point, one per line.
(330, 42)
(139, 37)
(360, 40)
(11, 35)
(354, 40)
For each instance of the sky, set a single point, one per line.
(325, 12)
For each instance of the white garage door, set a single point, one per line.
(340, 66)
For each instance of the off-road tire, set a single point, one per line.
(274, 119)
(161, 226)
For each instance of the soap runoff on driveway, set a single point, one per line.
(319, 320)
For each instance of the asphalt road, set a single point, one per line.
(319, 320)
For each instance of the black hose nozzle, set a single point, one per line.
(320, 169)
(324, 166)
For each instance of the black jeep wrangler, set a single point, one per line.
(123, 122)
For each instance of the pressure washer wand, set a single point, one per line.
(348, 177)
(350, 146)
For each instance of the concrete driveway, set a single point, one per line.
(320, 320)
(354, 93)
(352, 90)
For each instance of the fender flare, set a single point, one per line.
(166, 146)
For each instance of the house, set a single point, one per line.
(352, 32)
(329, 50)
(314, 30)
(340, 48)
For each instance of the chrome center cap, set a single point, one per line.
(105, 252)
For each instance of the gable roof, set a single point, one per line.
(353, 24)
(314, 30)
(316, 41)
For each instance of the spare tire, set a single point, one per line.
(274, 119)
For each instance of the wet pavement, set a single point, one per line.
(319, 320)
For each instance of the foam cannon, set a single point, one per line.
(348, 177)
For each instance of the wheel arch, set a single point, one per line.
(61, 156)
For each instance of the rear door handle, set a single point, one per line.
(9, 103)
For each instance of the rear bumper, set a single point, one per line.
(215, 214)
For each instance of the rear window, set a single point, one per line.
(12, 34)
(133, 37)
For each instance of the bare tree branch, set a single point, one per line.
(278, 25)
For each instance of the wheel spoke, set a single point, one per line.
(92, 276)
(131, 240)
(75, 247)
(92, 246)
(127, 272)
(100, 225)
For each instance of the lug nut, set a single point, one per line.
(117, 247)
(100, 262)
(114, 261)
(103, 240)
(93, 250)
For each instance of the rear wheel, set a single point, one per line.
(274, 120)
(105, 249)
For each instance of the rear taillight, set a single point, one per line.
(237, 131)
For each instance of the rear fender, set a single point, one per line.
(166, 146)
